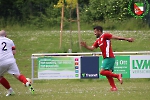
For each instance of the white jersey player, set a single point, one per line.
(7, 51)
(8, 63)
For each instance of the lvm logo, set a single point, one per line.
(141, 64)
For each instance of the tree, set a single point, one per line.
(68, 3)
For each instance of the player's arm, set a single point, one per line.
(122, 38)
(13, 50)
(86, 46)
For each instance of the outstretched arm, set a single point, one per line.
(86, 46)
(122, 38)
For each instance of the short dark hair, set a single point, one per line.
(98, 28)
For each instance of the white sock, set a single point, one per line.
(27, 84)
(10, 89)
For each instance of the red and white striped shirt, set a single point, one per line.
(104, 43)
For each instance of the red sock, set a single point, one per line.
(5, 83)
(22, 78)
(108, 73)
(111, 82)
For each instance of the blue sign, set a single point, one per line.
(90, 67)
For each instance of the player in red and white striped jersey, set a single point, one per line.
(103, 41)
(8, 63)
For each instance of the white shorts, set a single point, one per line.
(11, 68)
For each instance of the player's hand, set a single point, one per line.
(130, 40)
(83, 44)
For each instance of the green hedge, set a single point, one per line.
(39, 14)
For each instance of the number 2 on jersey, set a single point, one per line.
(4, 46)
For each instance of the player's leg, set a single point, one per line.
(4, 82)
(13, 69)
(105, 68)
(120, 79)
(112, 83)
(119, 75)
(107, 65)
(109, 73)
(23, 79)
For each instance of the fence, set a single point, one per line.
(87, 65)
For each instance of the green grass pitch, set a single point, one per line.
(29, 42)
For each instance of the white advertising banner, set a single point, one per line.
(140, 66)
(59, 67)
